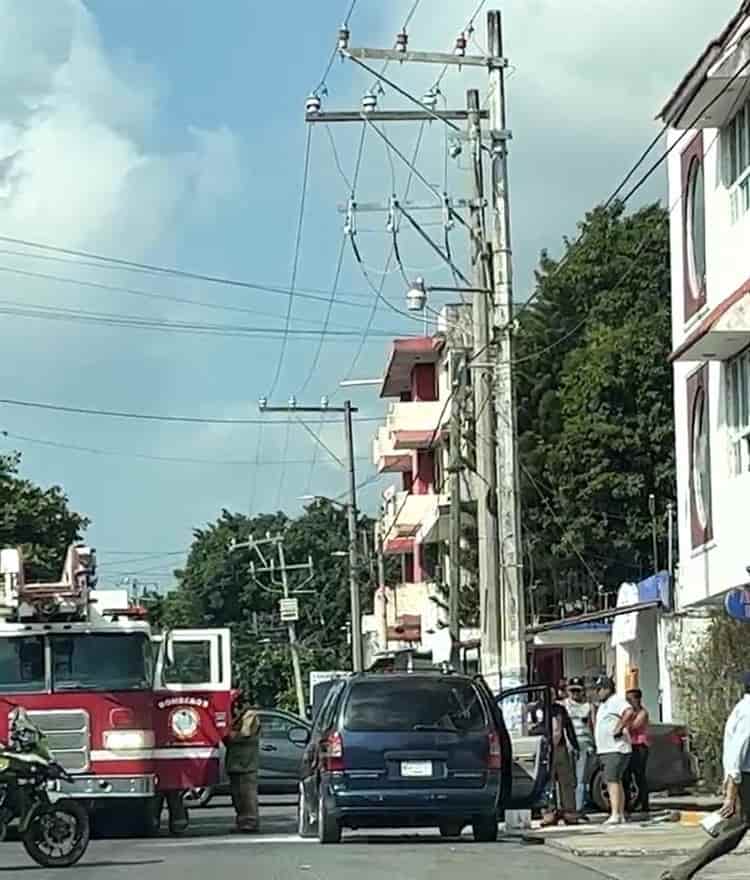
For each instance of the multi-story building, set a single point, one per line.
(413, 445)
(708, 119)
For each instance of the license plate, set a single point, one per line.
(416, 768)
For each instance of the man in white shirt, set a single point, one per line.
(736, 806)
(613, 716)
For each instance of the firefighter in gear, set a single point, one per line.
(243, 748)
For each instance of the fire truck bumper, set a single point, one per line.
(88, 787)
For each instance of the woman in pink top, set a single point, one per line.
(639, 757)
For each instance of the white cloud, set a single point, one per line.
(72, 157)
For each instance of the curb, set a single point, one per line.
(692, 818)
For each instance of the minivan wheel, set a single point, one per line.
(451, 828)
(305, 827)
(329, 830)
(485, 829)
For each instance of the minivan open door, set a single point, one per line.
(528, 718)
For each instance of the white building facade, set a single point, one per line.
(709, 197)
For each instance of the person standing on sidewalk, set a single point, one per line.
(639, 738)
(582, 716)
(565, 750)
(736, 806)
(242, 757)
(613, 717)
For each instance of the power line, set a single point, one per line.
(337, 273)
(55, 444)
(295, 262)
(153, 417)
(82, 316)
(316, 293)
(146, 294)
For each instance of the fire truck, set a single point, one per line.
(135, 717)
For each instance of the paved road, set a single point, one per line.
(278, 854)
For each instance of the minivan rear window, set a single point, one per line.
(414, 704)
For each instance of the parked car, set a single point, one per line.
(420, 749)
(671, 766)
(280, 759)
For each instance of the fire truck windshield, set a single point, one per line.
(101, 662)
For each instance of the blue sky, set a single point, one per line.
(172, 133)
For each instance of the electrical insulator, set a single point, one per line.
(292, 402)
(324, 401)
(402, 41)
(430, 99)
(312, 104)
(344, 37)
(461, 44)
(369, 102)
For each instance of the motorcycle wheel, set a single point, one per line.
(58, 834)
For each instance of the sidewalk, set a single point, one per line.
(654, 838)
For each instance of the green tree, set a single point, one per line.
(594, 404)
(218, 588)
(38, 520)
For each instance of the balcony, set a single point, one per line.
(416, 424)
(386, 457)
(403, 513)
(408, 518)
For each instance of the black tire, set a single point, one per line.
(329, 830)
(451, 828)
(305, 826)
(599, 793)
(67, 810)
(485, 829)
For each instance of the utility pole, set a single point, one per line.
(511, 604)
(670, 538)
(383, 619)
(268, 566)
(351, 514)
(292, 631)
(347, 410)
(454, 542)
(484, 414)
(501, 596)
(654, 532)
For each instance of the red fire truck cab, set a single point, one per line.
(133, 716)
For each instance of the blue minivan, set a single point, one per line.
(399, 749)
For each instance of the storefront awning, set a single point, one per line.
(653, 592)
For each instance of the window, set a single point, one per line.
(101, 662)
(735, 148)
(22, 665)
(699, 452)
(696, 230)
(192, 663)
(738, 412)
(275, 726)
(414, 703)
(693, 228)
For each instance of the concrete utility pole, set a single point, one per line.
(383, 619)
(292, 631)
(347, 410)
(454, 541)
(484, 414)
(511, 604)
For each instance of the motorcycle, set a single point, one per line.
(54, 832)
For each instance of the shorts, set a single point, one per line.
(614, 765)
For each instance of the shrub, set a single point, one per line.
(709, 680)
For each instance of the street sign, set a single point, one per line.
(289, 609)
(737, 604)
